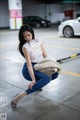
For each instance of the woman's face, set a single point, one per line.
(27, 35)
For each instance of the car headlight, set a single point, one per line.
(43, 22)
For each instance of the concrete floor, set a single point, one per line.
(60, 99)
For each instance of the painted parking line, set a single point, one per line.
(53, 46)
(21, 62)
(58, 37)
(62, 47)
(71, 73)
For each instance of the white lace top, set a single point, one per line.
(35, 51)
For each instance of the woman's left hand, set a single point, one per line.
(31, 84)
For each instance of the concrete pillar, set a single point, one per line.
(15, 13)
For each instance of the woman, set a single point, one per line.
(33, 51)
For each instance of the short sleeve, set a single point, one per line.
(24, 46)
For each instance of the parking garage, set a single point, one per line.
(60, 99)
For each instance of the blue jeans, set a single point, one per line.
(41, 78)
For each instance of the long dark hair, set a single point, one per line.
(22, 41)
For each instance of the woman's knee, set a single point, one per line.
(26, 75)
(25, 72)
(46, 79)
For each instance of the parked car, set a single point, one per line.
(69, 28)
(36, 21)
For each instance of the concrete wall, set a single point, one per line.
(29, 7)
(4, 13)
(51, 12)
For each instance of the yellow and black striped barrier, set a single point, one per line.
(66, 58)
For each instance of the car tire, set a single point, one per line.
(68, 32)
(38, 25)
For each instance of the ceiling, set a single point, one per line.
(59, 1)
(50, 1)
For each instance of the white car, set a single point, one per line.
(70, 28)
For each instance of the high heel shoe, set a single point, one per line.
(40, 89)
(13, 105)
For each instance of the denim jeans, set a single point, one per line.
(41, 78)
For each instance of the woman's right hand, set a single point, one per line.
(31, 84)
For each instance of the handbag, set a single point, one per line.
(48, 66)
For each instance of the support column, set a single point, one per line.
(15, 13)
